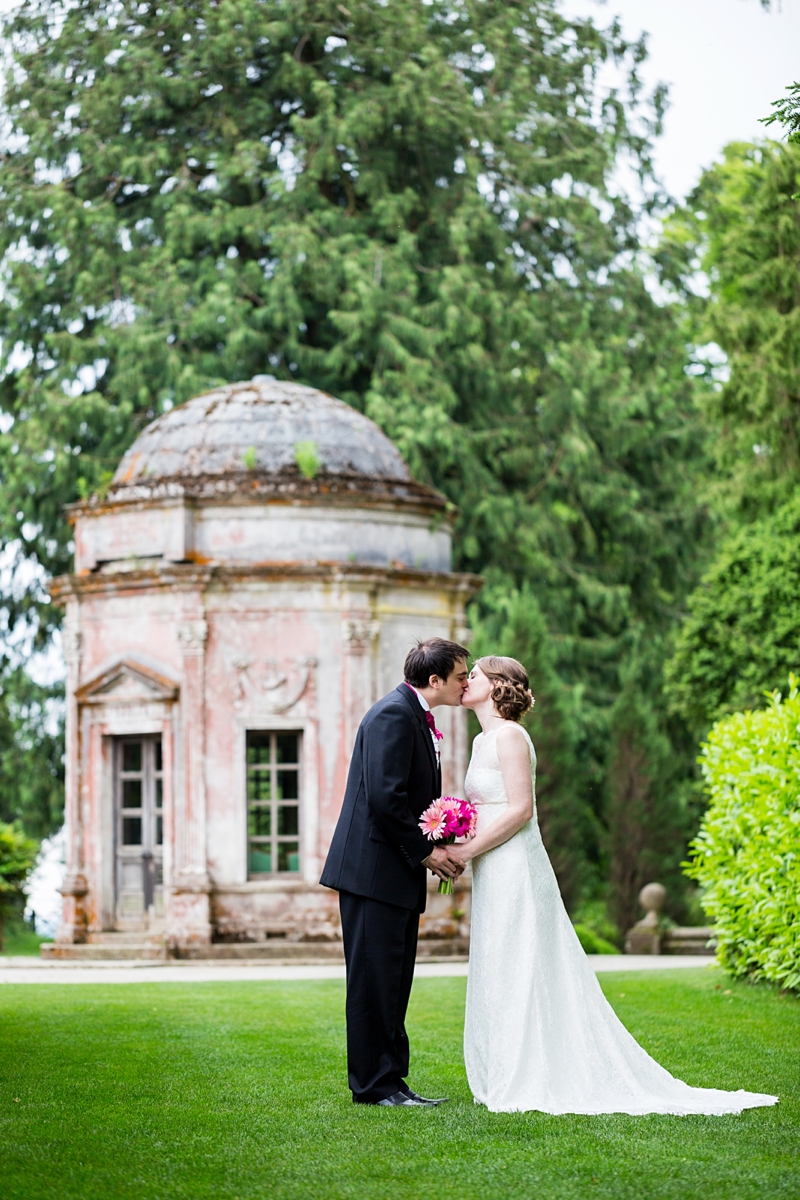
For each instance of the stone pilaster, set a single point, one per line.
(359, 637)
(74, 887)
(189, 918)
(454, 769)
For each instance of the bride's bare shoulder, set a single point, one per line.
(511, 738)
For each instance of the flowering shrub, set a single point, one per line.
(747, 853)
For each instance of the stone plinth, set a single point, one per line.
(650, 936)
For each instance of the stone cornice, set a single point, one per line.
(190, 576)
(260, 487)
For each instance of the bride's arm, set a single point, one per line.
(515, 763)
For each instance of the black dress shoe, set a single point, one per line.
(401, 1100)
(422, 1100)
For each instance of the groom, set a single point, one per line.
(377, 863)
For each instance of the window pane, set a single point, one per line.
(258, 747)
(287, 747)
(288, 856)
(131, 756)
(159, 766)
(131, 793)
(287, 820)
(260, 822)
(131, 831)
(260, 859)
(259, 785)
(287, 785)
(159, 793)
(159, 831)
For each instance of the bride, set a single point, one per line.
(539, 1033)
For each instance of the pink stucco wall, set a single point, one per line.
(200, 656)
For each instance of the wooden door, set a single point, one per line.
(139, 790)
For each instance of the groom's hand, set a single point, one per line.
(443, 863)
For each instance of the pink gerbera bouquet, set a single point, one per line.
(444, 821)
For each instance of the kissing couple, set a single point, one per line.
(538, 1032)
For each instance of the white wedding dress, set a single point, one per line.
(539, 1033)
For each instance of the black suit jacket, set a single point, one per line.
(378, 847)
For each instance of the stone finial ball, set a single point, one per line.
(652, 897)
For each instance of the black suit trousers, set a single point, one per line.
(380, 947)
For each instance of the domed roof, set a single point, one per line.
(260, 426)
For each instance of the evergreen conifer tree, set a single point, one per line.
(742, 634)
(409, 205)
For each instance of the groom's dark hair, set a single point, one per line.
(435, 656)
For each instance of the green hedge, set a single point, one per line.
(592, 942)
(747, 853)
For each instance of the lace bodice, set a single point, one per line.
(484, 783)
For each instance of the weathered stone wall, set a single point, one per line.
(201, 656)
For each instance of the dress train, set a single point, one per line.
(539, 1033)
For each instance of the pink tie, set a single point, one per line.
(432, 725)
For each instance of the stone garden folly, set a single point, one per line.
(247, 588)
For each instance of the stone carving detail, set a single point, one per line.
(71, 642)
(268, 686)
(192, 635)
(358, 634)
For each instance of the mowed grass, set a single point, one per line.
(224, 1090)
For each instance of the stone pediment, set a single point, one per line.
(127, 682)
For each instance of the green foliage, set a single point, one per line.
(628, 824)
(514, 625)
(742, 635)
(592, 943)
(17, 856)
(649, 814)
(305, 455)
(787, 112)
(20, 939)
(741, 225)
(747, 853)
(31, 753)
(592, 914)
(405, 204)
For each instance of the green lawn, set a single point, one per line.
(167, 1091)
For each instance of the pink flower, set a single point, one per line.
(433, 822)
(449, 818)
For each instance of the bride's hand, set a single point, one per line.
(460, 852)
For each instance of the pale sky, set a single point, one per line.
(725, 62)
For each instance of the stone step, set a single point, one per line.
(126, 938)
(269, 951)
(101, 952)
(273, 950)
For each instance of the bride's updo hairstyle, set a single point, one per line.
(512, 691)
